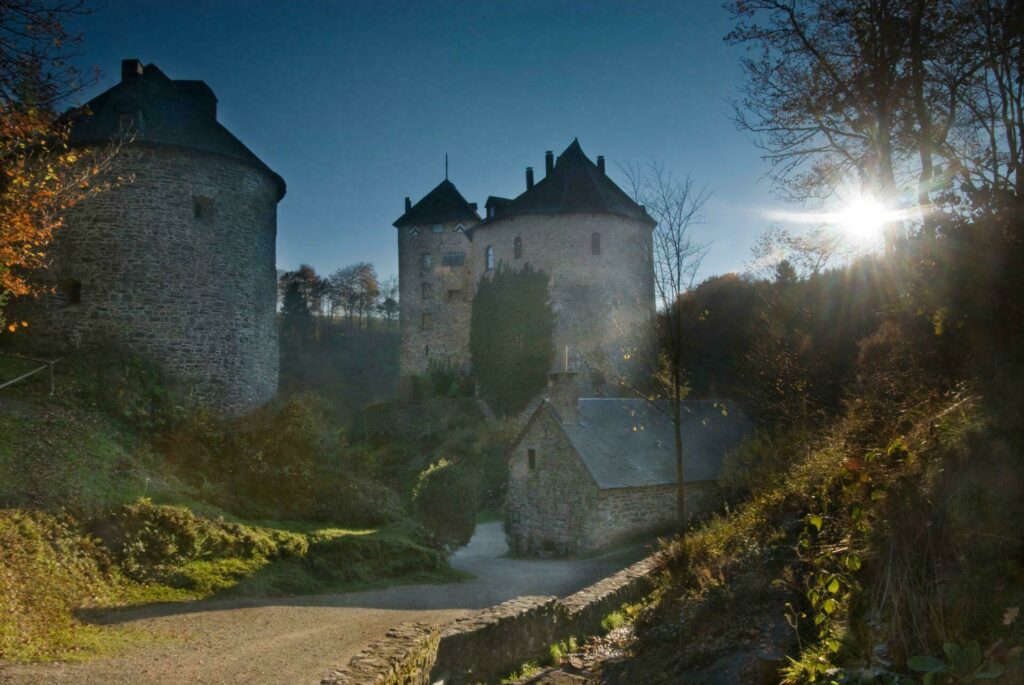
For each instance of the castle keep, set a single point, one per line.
(178, 263)
(574, 223)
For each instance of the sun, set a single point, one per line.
(863, 219)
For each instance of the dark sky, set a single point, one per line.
(356, 103)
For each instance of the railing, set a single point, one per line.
(46, 364)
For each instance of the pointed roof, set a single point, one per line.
(443, 203)
(182, 113)
(575, 186)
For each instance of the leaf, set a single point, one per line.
(830, 606)
(1010, 615)
(990, 670)
(926, 664)
(815, 521)
(957, 658)
(833, 586)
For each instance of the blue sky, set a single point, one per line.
(356, 103)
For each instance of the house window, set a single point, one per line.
(202, 208)
(428, 291)
(518, 247)
(489, 258)
(454, 295)
(531, 458)
(437, 228)
(69, 291)
(453, 259)
(595, 243)
(426, 261)
(427, 322)
(490, 212)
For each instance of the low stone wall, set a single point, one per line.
(496, 641)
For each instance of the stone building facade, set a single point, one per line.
(574, 224)
(177, 263)
(589, 473)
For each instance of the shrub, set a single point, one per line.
(445, 499)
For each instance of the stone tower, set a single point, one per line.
(436, 282)
(178, 263)
(576, 225)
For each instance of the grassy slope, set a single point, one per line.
(91, 507)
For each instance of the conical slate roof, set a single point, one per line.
(156, 109)
(443, 203)
(575, 186)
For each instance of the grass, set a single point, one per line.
(12, 367)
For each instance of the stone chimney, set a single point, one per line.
(549, 163)
(529, 177)
(408, 204)
(600, 163)
(564, 395)
(131, 69)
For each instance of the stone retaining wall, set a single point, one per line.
(494, 642)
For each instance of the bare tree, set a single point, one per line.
(388, 306)
(676, 206)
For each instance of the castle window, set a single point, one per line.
(202, 208)
(489, 258)
(518, 247)
(437, 228)
(69, 291)
(426, 350)
(428, 291)
(595, 243)
(453, 259)
(531, 458)
(454, 295)
(426, 261)
(427, 322)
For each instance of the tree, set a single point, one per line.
(296, 320)
(510, 337)
(309, 286)
(40, 175)
(388, 306)
(676, 206)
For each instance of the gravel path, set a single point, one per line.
(298, 639)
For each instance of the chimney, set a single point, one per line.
(529, 177)
(408, 204)
(564, 395)
(600, 163)
(131, 69)
(549, 163)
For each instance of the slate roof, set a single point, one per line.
(575, 185)
(627, 443)
(180, 113)
(443, 203)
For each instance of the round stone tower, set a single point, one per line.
(178, 262)
(595, 242)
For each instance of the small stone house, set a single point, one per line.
(588, 473)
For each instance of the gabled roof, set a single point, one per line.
(626, 443)
(575, 186)
(442, 204)
(180, 113)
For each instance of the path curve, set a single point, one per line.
(299, 639)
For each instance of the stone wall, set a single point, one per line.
(412, 420)
(178, 264)
(494, 642)
(550, 508)
(623, 513)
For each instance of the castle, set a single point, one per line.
(179, 262)
(575, 224)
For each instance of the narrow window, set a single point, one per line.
(426, 261)
(427, 322)
(518, 245)
(595, 243)
(202, 208)
(531, 457)
(437, 228)
(454, 295)
(69, 291)
(426, 350)
(428, 291)
(489, 258)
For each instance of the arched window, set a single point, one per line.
(489, 258)
(595, 243)
(518, 247)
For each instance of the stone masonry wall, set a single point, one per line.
(623, 513)
(448, 302)
(490, 644)
(551, 507)
(178, 264)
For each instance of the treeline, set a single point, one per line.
(354, 294)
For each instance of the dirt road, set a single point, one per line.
(298, 639)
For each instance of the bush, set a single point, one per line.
(445, 499)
